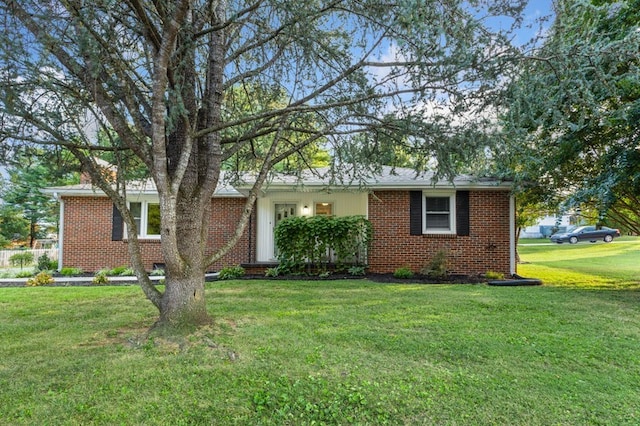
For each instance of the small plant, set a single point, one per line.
(43, 278)
(158, 272)
(437, 268)
(493, 275)
(100, 279)
(21, 259)
(44, 263)
(403, 272)
(24, 274)
(325, 274)
(69, 272)
(127, 272)
(356, 271)
(272, 272)
(118, 270)
(231, 272)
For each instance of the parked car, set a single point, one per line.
(586, 233)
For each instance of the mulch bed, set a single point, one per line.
(378, 278)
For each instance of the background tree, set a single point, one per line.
(157, 75)
(573, 111)
(14, 228)
(28, 213)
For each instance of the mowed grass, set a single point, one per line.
(584, 265)
(327, 352)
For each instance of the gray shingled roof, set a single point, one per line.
(310, 180)
(386, 178)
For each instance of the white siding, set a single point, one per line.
(344, 204)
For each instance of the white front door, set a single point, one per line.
(282, 211)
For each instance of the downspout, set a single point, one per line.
(251, 234)
(60, 230)
(512, 235)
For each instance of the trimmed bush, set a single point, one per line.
(313, 242)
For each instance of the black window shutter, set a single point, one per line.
(462, 213)
(415, 212)
(116, 225)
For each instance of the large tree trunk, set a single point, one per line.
(183, 301)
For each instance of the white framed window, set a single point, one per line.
(147, 217)
(439, 212)
(324, 209)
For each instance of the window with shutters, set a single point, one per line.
(147, 217)
(439, 212)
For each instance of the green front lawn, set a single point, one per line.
(329, 352)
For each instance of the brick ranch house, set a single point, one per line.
(472, 220)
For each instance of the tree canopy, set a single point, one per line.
(572, 112)
(162, 76)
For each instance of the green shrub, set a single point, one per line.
(231, 272)
(437, 268)
(158, 272)
(307, 241)
(493, 275)
(118, 270)
(43, 278)
(356, 270)
(21, 259)
(44, 263)
(69, 272)
(100, 279)
(403, 272)
(272, 272)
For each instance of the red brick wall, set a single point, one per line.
(485, 249)
(87, 235)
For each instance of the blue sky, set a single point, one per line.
(535, 10)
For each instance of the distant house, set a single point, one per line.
(547, 226)
(472, 220)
